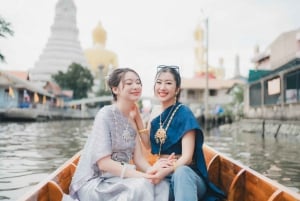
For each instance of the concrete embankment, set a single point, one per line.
(266, 128)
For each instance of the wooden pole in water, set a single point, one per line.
(277, 131)
(263, 129)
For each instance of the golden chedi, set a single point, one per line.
(201, 54)
(100, 59)
(200, 49)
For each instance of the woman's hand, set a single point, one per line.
(159, 173)
(162, 168)
(135, 112)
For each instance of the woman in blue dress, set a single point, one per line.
(105, 171)
(175, 131)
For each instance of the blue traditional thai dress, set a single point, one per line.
(182, 122)
(107, 138)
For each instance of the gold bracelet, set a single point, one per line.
(142, 131)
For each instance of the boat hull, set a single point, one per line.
(240, 183)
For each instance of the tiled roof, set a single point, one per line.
(68, 93)
(53, 88)
(19, 74)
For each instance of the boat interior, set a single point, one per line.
(238, 181)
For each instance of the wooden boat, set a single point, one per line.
(238, 181)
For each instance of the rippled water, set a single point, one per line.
(29, 152)
(277, 159)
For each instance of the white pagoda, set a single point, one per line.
(63, 47)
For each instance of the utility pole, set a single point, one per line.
(206, 74)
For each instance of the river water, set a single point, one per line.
(29, 152)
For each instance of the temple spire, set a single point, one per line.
(63, 46)
(237, 66)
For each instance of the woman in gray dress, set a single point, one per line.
(105, 170)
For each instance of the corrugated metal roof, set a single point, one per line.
(255, 75)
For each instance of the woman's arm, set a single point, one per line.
(142, 130)
(139, 158)
(170, 165)
(118, 169)
(188, 146)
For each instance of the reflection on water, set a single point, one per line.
(274, 158)
(29, 152)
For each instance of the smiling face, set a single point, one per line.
(165, 88)
(129, 88)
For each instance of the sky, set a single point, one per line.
(145, 34)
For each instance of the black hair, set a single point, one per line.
(174, 70)
(116, 77)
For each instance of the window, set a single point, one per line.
(292, 88)
(255, 94)
(213, 92)
(272, 89)
(191, 94)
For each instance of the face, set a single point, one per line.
(130, 87)
(165, 88)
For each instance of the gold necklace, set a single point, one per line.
(161, 133)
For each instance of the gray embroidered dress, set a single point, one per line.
(112, 135)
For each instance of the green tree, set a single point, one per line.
(77, 78)
(238, 100)
(5, 29)
(238, 94)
